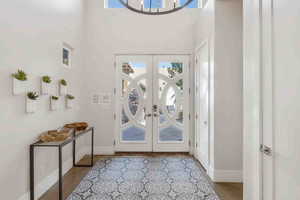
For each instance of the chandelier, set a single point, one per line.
(138, 6)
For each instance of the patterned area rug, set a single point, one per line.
(145, 178)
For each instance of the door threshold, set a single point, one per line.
(151, 153)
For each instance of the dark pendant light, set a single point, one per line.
(154, 11)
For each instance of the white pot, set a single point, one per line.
(53, 104)
(69, 103)
(31, 105)
(44, 88)
(19, 87)
(62, 90)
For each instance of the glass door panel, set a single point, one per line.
(171, 96)
(134, 127)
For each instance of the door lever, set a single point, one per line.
(148, 115)
(266, 150)
(154, 108)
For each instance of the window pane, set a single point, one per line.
(114, 4)
(193, 4)
(170, 134)
(133, 133)
(154, 3)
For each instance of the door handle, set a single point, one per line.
(149, 115)
(266, 150)
(205, 122)
(154, 108)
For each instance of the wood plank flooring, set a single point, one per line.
(226, 191)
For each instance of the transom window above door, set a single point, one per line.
(155, 3)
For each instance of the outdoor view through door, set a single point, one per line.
(152, 97)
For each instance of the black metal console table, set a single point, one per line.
(60, 145)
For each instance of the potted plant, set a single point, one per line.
(53, 102)
(69, 100)
(19, 82)
(45, 82)
(31, 99)
(63, 87)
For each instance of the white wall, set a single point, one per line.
(31, 34)
(113, 31)
(228, 86)
(220, 23)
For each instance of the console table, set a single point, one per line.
(72, 139)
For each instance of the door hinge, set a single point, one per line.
(115, 64)
(265, 150)
(115, 117)
(196, 144)
(115, 91)
(189, 116)
(189, 142)
(190, 91)
(196, 60)
(114, 142)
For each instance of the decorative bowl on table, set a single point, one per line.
(78, 126)
(55, 135)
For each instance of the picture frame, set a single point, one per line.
(66, 55)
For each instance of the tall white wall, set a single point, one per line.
(228, 85)
(220, 23)
(32, 33)
(115, 31)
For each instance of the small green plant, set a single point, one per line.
(46, 79)
(63, 82)
(32, 95)
(20, 75)
(54, 98)
(70, 97)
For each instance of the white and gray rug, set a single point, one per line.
(145, 178)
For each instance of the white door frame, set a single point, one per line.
(258, 99)
(140, 146)
(196, 153)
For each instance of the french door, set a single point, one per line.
(152, 103)
(202, 105)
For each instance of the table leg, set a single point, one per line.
(92, 158)
(74, 153)
(92, 152)
(31, 157)
(60, 173)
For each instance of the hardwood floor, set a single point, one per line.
(229, 191)
(226, 191)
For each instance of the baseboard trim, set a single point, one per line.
(104, 150)
(44, 185)
(234, 176)
(192, 151)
